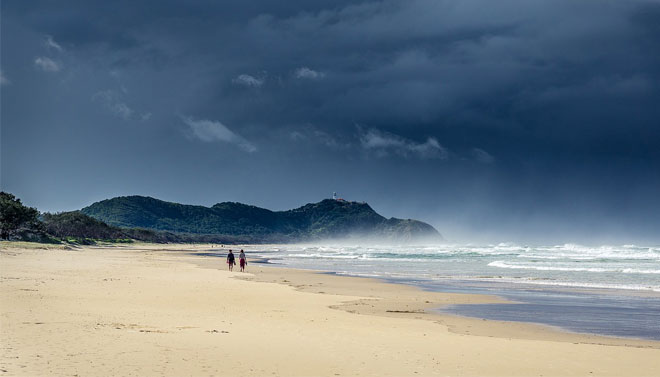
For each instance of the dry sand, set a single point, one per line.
(146, 310)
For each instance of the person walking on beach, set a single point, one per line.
(231, 261)
(242, 260)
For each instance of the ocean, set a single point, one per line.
(609, 290)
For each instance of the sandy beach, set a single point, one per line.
(154, 310)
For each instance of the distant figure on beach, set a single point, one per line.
(231, 261)
(242, 260)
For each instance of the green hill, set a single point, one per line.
(78, 227)
(327, 219)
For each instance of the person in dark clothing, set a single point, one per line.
(231, 261)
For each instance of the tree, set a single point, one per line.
(15, 216)
(77, 224)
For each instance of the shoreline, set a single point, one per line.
(423, 304)
(158, 310)
(511, 299)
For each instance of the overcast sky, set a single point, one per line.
(523, 121)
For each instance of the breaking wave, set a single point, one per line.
(503, 264)
(622, 267)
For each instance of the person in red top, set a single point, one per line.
(242, 260)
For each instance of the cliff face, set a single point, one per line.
(327, 219)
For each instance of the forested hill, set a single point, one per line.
(327, 219)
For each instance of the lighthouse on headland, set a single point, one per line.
(335, 197)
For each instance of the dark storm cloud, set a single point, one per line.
(493, 109)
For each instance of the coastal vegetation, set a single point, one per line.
(327, 219)
(18, 221)
(139, 218)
